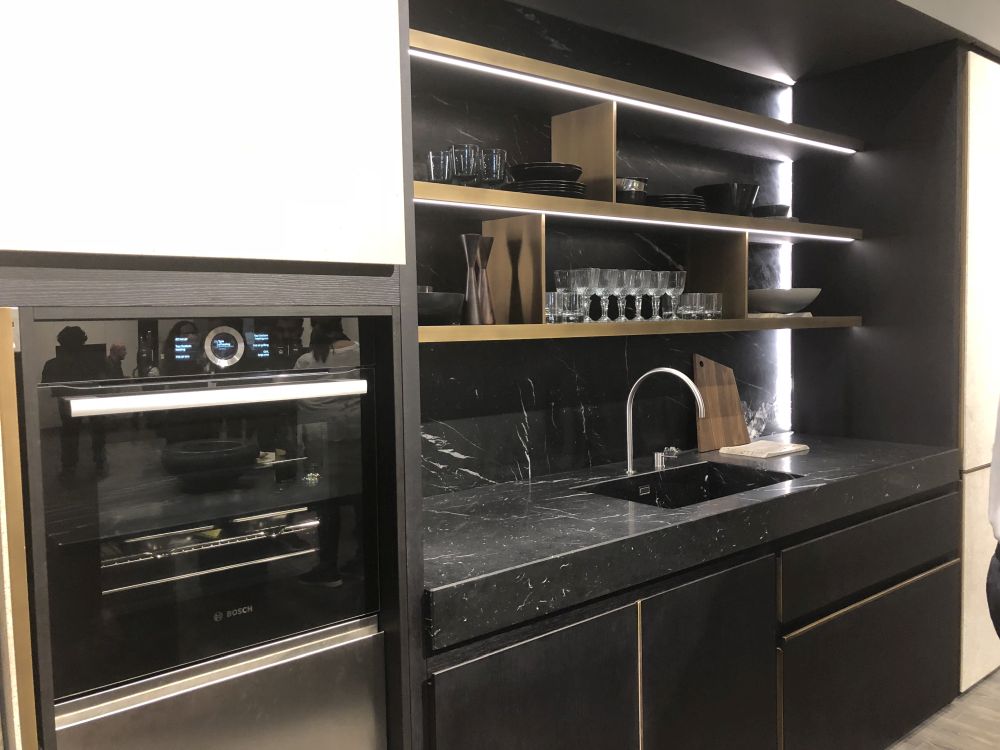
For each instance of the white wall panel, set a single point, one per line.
(212, 128)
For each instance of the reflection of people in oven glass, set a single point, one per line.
(182, 353)
(113, 364)
(285, 342)
(72, 363)
(331, 432)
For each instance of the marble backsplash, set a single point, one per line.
(495, 412)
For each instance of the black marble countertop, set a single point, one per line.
(503, 554)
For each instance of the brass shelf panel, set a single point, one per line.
(460, 333)
(759, 229)
(736, 129)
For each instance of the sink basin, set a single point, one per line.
(687, 485)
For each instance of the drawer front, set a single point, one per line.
(573, 688)
(865, 676)
(829, 572)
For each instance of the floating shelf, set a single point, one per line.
(690, 120)
(512, 203)
(458, 333)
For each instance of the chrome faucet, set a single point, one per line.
(631, 399)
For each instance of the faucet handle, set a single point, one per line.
(660, 457)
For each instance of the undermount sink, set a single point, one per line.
(687, 485)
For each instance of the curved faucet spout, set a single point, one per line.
(631, 399)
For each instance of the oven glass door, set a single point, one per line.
(211, 491)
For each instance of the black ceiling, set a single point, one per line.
(781, 39)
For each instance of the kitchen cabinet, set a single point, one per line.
(980, 363)
(823, 574)
(980, 645)
(866, 675)
(205, 130)
(573, 688)
(708, 666)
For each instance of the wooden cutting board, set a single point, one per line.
(723, 424)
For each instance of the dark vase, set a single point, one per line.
(470, 310)
(486, 316)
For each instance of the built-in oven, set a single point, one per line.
(198, 485)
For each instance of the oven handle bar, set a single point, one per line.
(98, 406)
(209, 571)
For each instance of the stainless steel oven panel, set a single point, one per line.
(326, 689)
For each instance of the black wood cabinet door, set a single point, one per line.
(865, 676)
(708, 662)
(825, 574)
(573, 689)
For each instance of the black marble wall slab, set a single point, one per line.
(523, 31)
(495, 412)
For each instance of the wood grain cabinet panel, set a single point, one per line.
(708, 663)
(571, 689)
(863, 677)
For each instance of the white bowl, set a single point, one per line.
(781, 300)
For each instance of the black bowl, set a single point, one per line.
(729, 197)
(631, 196)
(776, 210)
(439, 308)
(545, 170)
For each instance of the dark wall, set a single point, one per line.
(897, 378)
(495, 412)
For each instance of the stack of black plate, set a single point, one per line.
(548, 178)
(677, 200)
(564, 188)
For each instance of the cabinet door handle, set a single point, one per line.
(96, 406)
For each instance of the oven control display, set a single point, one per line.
(224, 346)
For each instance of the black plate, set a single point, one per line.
(550, 183)
(560, 193)
(560, 188)
(546, 170)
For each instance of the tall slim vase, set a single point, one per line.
(486, 316)
(470, 310)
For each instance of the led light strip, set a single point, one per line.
(95, 406)
(672, 111)
(630, 220)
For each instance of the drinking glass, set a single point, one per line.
(631, 284)
(619, 292)
(609, 280)
(675, 287)
(552, 300)
(465, 160)
(713, 305)
(648, 282)
(493, 167)
(692, 306)
(584, 282)
(664, 285)
(570, 307)
(561, 279)
(439, 166)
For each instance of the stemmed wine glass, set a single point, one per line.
(631, 284)
(609, 280)
(584, 283)
(674, 287)
(619, 292)
(650, 285)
